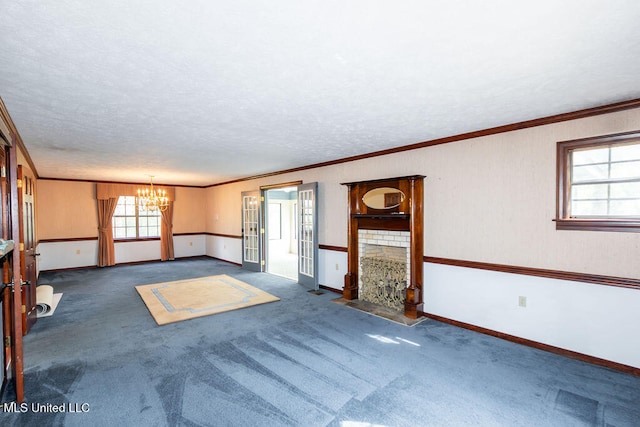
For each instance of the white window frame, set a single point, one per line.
(139, 216)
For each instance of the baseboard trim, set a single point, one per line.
(327, 288)
(54, 270)
(540, 346)
(223, 260)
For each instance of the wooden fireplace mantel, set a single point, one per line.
(407, 215)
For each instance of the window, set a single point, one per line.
(599, 183)
(132, 221)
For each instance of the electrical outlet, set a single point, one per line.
(522, 301)
(190, 243)
(337, 266)
(77, 251)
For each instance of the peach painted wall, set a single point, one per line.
(188, 210)
(68, 209)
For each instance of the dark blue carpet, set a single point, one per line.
(302, 361)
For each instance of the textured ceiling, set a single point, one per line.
(204, 91)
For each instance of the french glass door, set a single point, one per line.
(251, 231)
(308, 235)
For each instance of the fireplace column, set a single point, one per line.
(413, 304)
(350, 290)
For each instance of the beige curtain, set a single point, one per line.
(166, 234)
(106, 250)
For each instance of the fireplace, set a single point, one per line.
(385, 247)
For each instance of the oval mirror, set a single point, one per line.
(383, 198)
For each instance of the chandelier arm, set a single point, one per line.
(152, 199)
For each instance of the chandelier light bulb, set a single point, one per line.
(153, 199)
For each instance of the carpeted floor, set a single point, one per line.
(304, 361)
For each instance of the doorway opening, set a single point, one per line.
(282, 232)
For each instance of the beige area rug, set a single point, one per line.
(379, 311)
(186, 299)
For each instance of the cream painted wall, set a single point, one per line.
(489, 199)
(582, 317)
(493, 199)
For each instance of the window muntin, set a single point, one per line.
(132, 221)
(599, 183)
(605, 182)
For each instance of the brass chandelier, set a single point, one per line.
(153, 199)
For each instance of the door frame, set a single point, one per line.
(291, 216)
(15, 299)
(6, 295)
(264, 208)
(303, 278)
